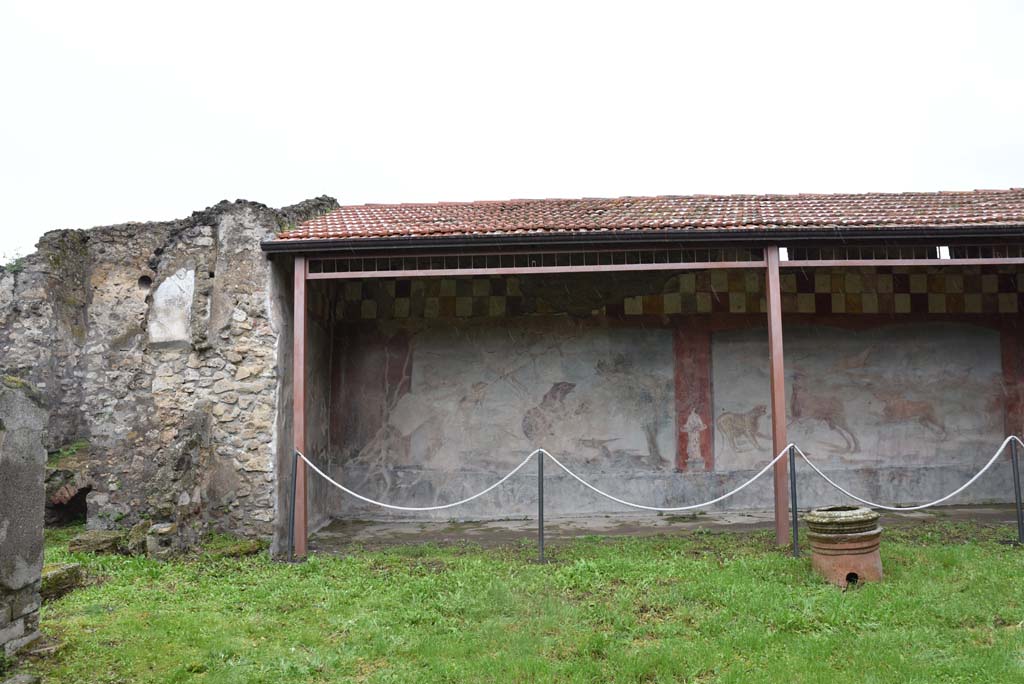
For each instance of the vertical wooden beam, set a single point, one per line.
(299, 404)
(778, 392)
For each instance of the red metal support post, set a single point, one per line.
(299, 404)
(778, 392)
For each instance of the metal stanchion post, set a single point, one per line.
(291, 508)
(792, 500)
(540, 507)
(1016, 491)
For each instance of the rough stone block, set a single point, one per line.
(22, 679)
(60, 579)
(97, 541)
(134, 543)
(162, 542)
(14, 630)
(32, 622)
(25, 602)
(15, 645)
(103, 512)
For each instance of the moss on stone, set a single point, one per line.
(65, 452)
(15, 382)
(229, 546)
(97, 541)
(60, 578)
(68, 256)
(24, 386)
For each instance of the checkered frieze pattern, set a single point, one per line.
(867, 290)
(430, 298)
(901, 290)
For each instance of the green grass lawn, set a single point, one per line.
(699, 608)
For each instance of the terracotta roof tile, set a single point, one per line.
(695, 212)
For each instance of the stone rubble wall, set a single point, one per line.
(158, 344)
(22, 461)
(42, 327)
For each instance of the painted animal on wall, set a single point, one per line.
(921, 393)
(854, 363)
(738, 428)
(896, 408)
(541, 422)
(810, 402)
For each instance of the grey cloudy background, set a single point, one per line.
(118, 111)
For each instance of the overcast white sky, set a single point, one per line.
(141, 111)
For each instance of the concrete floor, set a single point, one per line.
(340, 535)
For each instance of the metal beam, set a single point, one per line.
(299, 404)
(777, 376)
(527, 270)
(372, 273)
(815, 263)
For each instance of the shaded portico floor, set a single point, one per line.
(341, 536)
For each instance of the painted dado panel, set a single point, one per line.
(479, 398)
(900, 395)
(668, 411)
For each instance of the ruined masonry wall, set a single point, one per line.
(157, 343)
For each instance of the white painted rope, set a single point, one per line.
(560, 465)
(415, 508)
(673, 508)
(1006, 442)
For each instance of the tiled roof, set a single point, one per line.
(695, 212)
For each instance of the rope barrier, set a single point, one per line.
(673, 508)
(667, 509)
(560, 465)
(872, 504)
(791, 449)
(416, 508)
